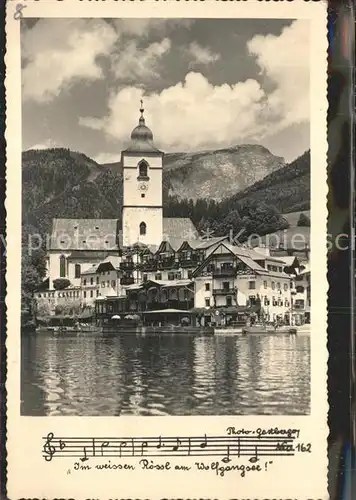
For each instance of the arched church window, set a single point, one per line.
(143, 228)
(62, 266)
(77, 271)
(143, 169)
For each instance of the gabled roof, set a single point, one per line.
(205, 244)
(84, 234)
(247, 256)
(230, 249)
(244, 252)
(91, 270)
(289, 260)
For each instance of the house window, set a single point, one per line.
(285, 286)
(77, 271)
(84, 282)
(171, 276)
(158, 276)
(228, 301)
(97, 293)
(91, 293)
(252, 300)
(113, 284)
(103, 284)
(142, 169)
(85, 294)
(278, 286)
(190, 273)
(252, 285)
(91, 281)
(207, 287)
(207, 302)
(108, 284)
(145, 277)
(273, 285)
(265, 284)
(226, 285)
(62, 266)
(97, 280)
(178, 276)
(143, 228)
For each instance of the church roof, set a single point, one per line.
(142, 138)
(84, 234)
(104, 235)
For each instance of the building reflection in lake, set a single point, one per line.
(165, 375)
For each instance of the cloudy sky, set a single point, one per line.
(206, 84)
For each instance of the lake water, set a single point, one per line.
(165, 375)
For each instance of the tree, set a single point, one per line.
(61, 283)
(303, 221)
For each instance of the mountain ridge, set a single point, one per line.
(58, 182)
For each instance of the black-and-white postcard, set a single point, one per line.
(166, 248)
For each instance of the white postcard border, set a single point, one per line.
(28, 474)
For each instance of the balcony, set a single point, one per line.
(224, 272)
(166, 264)
(127, 266)
(188, 263)
(127, 280)
(150, 265)
(225, 291)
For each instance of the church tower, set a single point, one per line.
(142, 212)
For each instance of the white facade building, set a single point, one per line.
(142, 213)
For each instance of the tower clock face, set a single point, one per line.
(143, 186)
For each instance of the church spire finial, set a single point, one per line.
(142, 109)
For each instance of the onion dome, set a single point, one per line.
(141, 132)
(142, 138)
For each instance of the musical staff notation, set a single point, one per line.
(226, 447)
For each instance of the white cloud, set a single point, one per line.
(201, 55)
(194, 114)
(142, 28)
(58, 54)
(190, 115)
(284, 60)
(134, 63)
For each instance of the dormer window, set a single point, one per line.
(143, 171)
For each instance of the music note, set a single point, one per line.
(159, 443)
(176, 447)
(48, 449)
(62, 445)
(238, 447)
(227, 459)
(85, 458)
(204, 443)
(255, 458)
(144, 444)
(122, 445)
(103, 445)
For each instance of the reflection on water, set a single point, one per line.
(165, 375)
